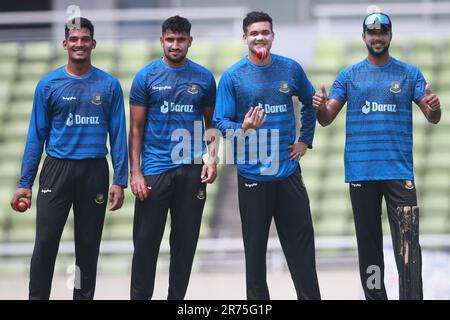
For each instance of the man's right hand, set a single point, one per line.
(254, 118)
(19, 194)
(320, 98)
(138, 186)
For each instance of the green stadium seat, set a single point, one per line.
(105, 50)
(445, 54)
(119, 225)
(435, 212)
(329, 65)
(129, 68)
(38, 51)
(439, 137)
(106, 64)
(435, 181)
(355, 51)
(9, 51)
(24, 89)
(15, 130)
(227, 53)
(201, 52)
(33, 70)
(130, 50)
(7, 69)
(126, 83)
(397, 49)
(12, 149)
(21, 110)
(156, 50)
(424, 53)
(60, 61)
(328, 48)
(332, 226)
(424, 44)
(22, 226)
(9, 170)
(317, 79)
(5, 92)
(424, 60)
(443, 80)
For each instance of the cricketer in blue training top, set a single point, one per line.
(75, 108)
(169, 100)
(379, 92)
(255, 97)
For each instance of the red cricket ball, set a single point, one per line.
(149, 191)
(21, 206)
(261, 53)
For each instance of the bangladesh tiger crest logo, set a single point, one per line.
(284, 87)
(409, 185)
(100, 198)
(201, 195)
(192, 89)
(97, 99)
(395, 87)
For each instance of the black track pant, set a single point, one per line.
(181, 191)
(403, 215)
(288, 203)
(63, 183)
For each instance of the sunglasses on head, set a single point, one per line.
(376, 20)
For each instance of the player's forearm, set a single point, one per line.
(135, 147)
(119, 154)
(30, 165)
(223, 125)
(324, 117)
(434, 116)
(309, 114)
(213, 146)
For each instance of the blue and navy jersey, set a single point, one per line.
(272, 86)
(72, 116)
(379, 141)
(174, 98)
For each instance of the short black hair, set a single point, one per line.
(177, 24)
(256, 16)
(83, 23)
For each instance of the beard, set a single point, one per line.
(174, 60)
(377, 53)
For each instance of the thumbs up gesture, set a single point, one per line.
(431, 99)
(320, 98)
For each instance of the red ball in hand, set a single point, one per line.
(261, 53)
(21, 206)
(148, 191)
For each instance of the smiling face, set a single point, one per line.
(175, 46)
(257, 35)
(79, 45)
(377, 41)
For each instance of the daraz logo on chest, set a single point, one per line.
(378, 107)
(77, 119)
(173, 107)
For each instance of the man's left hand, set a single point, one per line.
(298, 150)
(209, 172)
(115, 197)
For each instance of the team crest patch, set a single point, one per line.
(97, 99)
(192, 89)
(395, 87)
(284, 87)
(201, 195)
(409, 185)
(100, 198)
